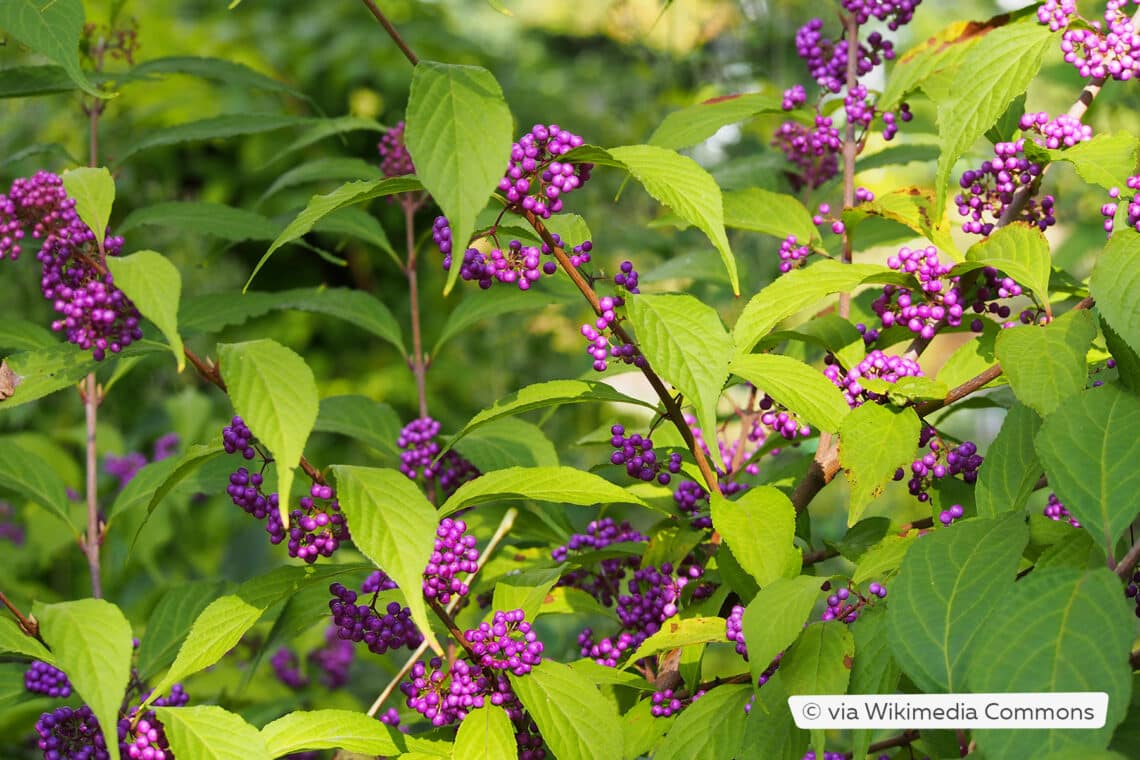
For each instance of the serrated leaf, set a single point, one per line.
(992, 73)
(939, 53)
(28, 475)
(821, 660)
(693, 736)
(53, 30)
(687, 345)
(1081, 446)
(213, 128)
(680, 183)
(1011, 467)
(775, 618)
(803, 389)
(357, 223)
(793, 292)
(508, 442)
(759, 528)
(458, 165)
(1114, 283)
(208, 732)
(93, 191)
(777, 214)
(948, 587)
(524, 591)
(830, 332)
(882, 561)
(169, 623)
(1078, 550)
(697, 123)
(485, 734)
(91, 641)
(572, 601)
(874, 441)
(155, 285)
(575, 720)
(30, 81)
(1105, 160)
(676, 633)
(561, 485)
(475, 308)
(394, 525)
(1021, 251)
(15, 641)
(199, 217)
(353, 306)
(1059, 630)
(1046, 365)
(320, 206)
(333, 169)
(770, 731)
(541, 395)
(273, 390)
(359, 417)
(349, 730)
(45, 371)
(911, 207)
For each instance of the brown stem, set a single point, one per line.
(1124, 567)
(419, 365)
(1134, 659)
(819, 555)
(672, 408)
(391, 30)
(449, 622)
(850, 147)
(91, 544)
(27, 624)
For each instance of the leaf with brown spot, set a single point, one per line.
(848, 661)
(8, 380)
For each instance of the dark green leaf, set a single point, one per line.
(51, 29)
(1114, 283)
(1011, 468)
(214, 128)
(820, 661)
(30, 81)
(359, 417)
(26, 474)
(169, 623)
(198, 217)
(697, 123)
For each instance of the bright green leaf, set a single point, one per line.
(93, 191)
(1114, 283)
(15, 641)
(803, 389)
(711, 728)
(565, 485)
(485, 734)
(775, 618)
(155, 285)
(676, 633)
(1011, 468)
(1046, 365)
(820, 661)
(777, 214)
(697, 123)
(169, 623)
(349, 730)
(575, 720)
(874, 441)
(52, 29)
(1021, 251)
(207, 732)
(759, 528)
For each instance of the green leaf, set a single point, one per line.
(972, 358)
(1114, 283)
(697, 123)
(355, 222)
(45, 371)
(1011, 467)
(207, 732)
(15, 641)
(770, 731)
(540, 395)
(1081, 445)
(1046, 365)
(213, 128)
(641, 729)
(359, 417)
(1077, 550)
(821, 660)
(940, 53)
(356, 307)
(687, 345)
(26, 474)
(524, 591)
(475, 308)
(321, 206)
(1127, 361)
(221, 70)
(333, 169)
(830, 332)
(93, 191)
(777, 214)
(793, 292)
(91, 641)
(948, 589)
(1059, 630)
(882, 560)
(53, 30)
(561, 485)
(760, 529)
(898, 155)
(911, 207)
(458, 165)
(273, 390)
(572, 601)
(676, 633)
(319, 129)
(576, 721)
(775, 618)
(1105, 160)
(874, 441)
(22, 335)
(508, 442)
(169, 623)
(350, 730)
(155, 285)
(485, 734)
(142, 486)
(393, 525)
(711, 728)
(993, 72)
(1021, 251)
(185, 466)
(680, 183)
(30, 81)
(803, 389)
(875, 670)
(198, 217)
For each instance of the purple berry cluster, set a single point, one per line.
(666, 703)
(318, 527)
(988, 190)
(380, 631)
(1062, 132)
(813, 151)
(793, 97)
(333, 659)
(420, 448)
(791, 253)
(94, 314)
(454, 553)
(287, 667)
(1055, 510)
(640, 460)
(506, 643)
(1102, 50)
(395, 161)
(146, 741)
(949, 516)
(602, 582)
(1108, 210)
(876, 365)
(237, 437)
(1132, 590)
(41, 678)
(895, 13)
(845, 605)
(536, 179)
(940, 461)
(10, 530)
(245, 491)
(68, 733)
(734, 630)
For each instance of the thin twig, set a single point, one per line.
(27, 624)
(850, 147)
(1125, 565)
(91, 544)
(501, 532)
(391, 30)
(419, 365)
